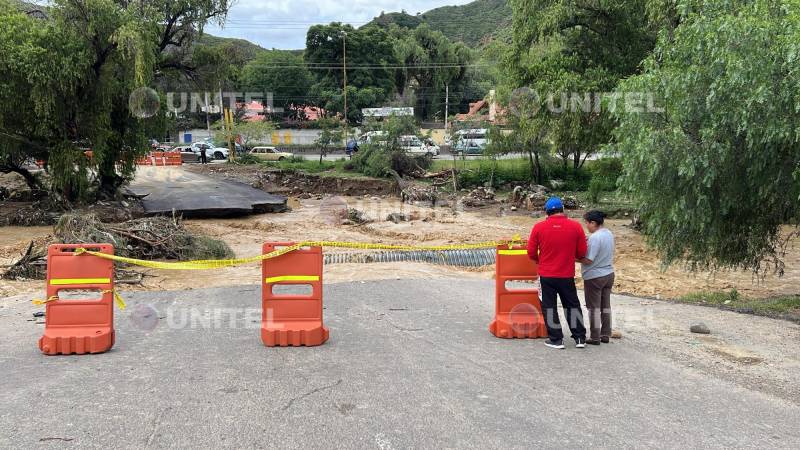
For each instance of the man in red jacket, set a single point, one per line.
(555, 244)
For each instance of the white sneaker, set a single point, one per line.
(580, 343)
(554, 344)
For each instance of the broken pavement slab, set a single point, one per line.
(167, 189)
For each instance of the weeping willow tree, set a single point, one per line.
(717, 173)
(67, 80)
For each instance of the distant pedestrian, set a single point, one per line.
(555, 244)
(598, 277)
(352, 147)
(203, 158)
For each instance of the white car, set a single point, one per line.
(414, 146)
(219, 153)
(433, 149)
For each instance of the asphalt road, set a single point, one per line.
(409, 364)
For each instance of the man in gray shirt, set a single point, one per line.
(598, 277)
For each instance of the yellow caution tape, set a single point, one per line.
(513, 252)
(117, 298)
(48, 300)
(271, 280)
(70, 281)
(207, 264)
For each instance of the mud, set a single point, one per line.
(638, 269)
(283, 182)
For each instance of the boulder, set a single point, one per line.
(699, 328)
(397, 217)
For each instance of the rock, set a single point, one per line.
(539, 188)
(397, 217)
(355, 216)
(616, 334)
(517, 195)
(556, 184)
(700, 328)
(513, 208)
(570, 202)
(535, 200)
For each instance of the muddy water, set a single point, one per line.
(638, 269)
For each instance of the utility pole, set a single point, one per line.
(446, 104)
(208, 121)
(344, 70)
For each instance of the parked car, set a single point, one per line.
(414, 146)
(470, 148)
(219, 153)
(197, 146)
(433, 149)
(372, 137)
(269, 154)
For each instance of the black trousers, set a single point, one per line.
(565, 289)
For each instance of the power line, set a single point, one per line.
(328, 66)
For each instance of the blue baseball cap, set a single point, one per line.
(553, 203)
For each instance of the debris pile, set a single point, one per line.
(481, 196)
(531, 197)
(415, 193)
(32, 265)
(570, 202)
(145, 238)
(357, 217)
(397, 217)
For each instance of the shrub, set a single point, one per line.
(374, 161)
(596, 187)
(607, 169)
(246, 159)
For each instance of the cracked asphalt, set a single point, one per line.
(409, 364)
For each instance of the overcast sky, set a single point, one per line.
(283, 23)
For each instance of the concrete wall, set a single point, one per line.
(197, 135)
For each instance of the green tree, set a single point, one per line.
(566, 50)
(330, 135)
(717, 174)
(430, 62)
(370, 67)
(68, 81)
(284, 75)
(246, 133)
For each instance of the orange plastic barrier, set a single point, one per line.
(83, 325)
(161, 159)
(518, 312)
(292, 319)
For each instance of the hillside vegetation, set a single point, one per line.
(473, 23)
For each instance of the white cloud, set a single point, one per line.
(283, 23)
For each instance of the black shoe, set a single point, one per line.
(604, 340)
(580, 343)
(554, 344)
(593, 342)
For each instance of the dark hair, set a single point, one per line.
(595, 216)
(550, 212)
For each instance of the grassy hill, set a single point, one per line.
(243, 46)
(473, 23)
